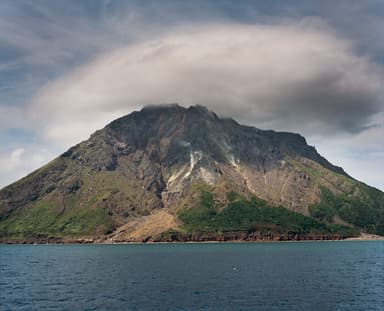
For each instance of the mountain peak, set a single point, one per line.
(175, 107)
(164, 106)
(159, 157)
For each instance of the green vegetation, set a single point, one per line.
(47, 220)
(365, 211)
(253, 215)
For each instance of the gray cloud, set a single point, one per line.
(309, 77)
(41, 40)
(360, 154)
(293, 76)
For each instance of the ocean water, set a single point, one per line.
(228, 276)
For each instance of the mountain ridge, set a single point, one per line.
(152, 159)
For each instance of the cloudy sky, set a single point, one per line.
(313, 67)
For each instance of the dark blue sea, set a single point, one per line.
(304, 276)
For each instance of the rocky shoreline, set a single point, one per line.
(198, 238)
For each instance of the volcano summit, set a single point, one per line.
(169, 173)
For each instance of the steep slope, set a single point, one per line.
(166, 158)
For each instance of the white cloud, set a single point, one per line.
(15, 156)
(19, 162)
(294, 76)
(298, 77)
